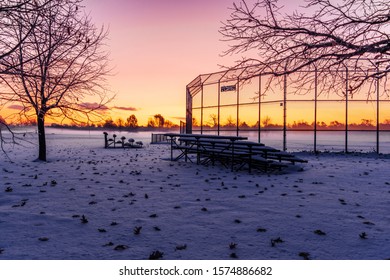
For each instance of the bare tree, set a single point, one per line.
(213, 120)
(132, 121)
(151, 123)
(325, 36)
(58, 65)
(10, 11)
(159, 120)
(120, 123)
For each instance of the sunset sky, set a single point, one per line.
(157, 48)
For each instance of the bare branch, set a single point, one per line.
(58, 65)
(351, 33)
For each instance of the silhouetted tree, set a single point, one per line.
(151, 122)
(10, 11)
(109, 123)
(132, 121)
(324, 35)
(266, 121)
(168, 124)
(195, 122)
(244, 125)
(336, 125)
(213, 120)
(120, 123)
(159, 120)
(230, 122)
(58, 65)
(304, 125)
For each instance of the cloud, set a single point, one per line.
(179, 118)
(94, 106)
(125, 108)
(16, 107)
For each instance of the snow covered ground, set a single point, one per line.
(88, 202)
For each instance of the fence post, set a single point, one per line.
(182, 127)
(219, 106)
(377, 109)
(201, 109)
(238, 108)
(346, 109)
(189, 112)
(315, 108)
(259, 125)
(285, 113)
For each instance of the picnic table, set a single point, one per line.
(230, 151)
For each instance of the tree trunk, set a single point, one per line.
(41, 137)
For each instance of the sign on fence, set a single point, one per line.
(228, 88)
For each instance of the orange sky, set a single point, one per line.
(157, 48)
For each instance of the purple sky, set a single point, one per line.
(157, 48)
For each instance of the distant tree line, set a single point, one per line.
(155, 122)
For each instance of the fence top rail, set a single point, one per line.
(205, 136)
(250, 71)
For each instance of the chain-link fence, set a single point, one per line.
(301, 111)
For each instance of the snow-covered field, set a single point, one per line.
(135, 202)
